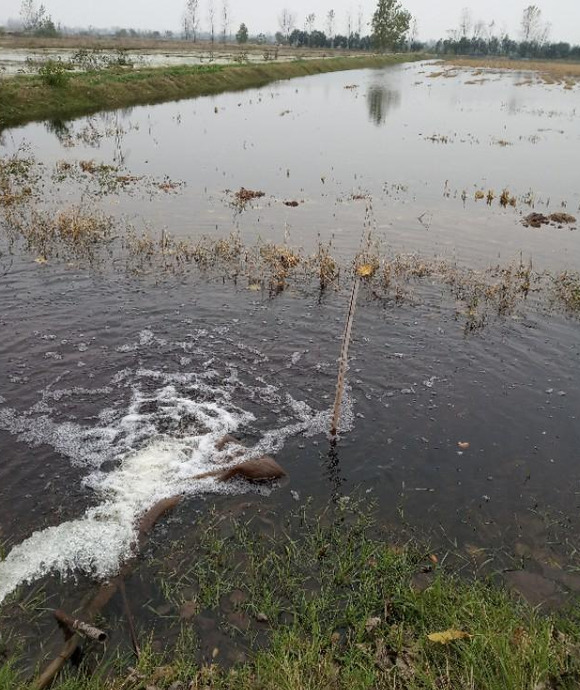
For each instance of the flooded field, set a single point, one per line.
(182, 271)
(18, 60)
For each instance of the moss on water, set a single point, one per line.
(27, 98)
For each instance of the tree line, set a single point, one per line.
(390, 28)
(480, 38)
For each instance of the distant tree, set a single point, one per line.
(298, 38)
(286, 22)
(533, 28)
(261, 39)
(317, 39)
(191, 20)
(465, 22)
(360, 21)
(309, 24)
(330, 17)
(35, 20)
(211, 19)
(185, 25)
(390, 24)
(413, 33)
(225, 20)
(349, 29)
(242, 35)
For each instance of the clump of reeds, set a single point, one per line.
(281, 260)
(567, 289)
(18, 177)
(507, 199)
(324, 266)
(75, 230)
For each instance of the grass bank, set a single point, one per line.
(28, 98)
(325, 601)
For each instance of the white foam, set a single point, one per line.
(158, 440)
(151, 466)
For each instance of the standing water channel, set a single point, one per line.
(122, 365)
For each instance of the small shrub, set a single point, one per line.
(53, 73)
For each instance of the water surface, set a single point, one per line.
(114, 388)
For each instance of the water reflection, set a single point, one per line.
(60, 128)
(333, 472)
(381, 100)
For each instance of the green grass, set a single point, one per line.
(339, 609)
(28, 98)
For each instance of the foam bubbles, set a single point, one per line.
(161, 440)
(159, 433)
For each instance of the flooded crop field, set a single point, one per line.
(178, 272)
(15, 59)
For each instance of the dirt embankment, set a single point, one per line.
(29, 98)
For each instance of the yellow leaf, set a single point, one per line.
(40, 260)
(448, 636)
(365, 270)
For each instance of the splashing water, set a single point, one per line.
(165, 436)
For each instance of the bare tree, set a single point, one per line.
(413, 33)
(349, 29)
(309, 23)
(211, 19)
(479, 29)
(465, 22)
(287, 22)
(533, 27)
(33, 19)
(191, 19)
(225, 20)
(330, 17)
(185, 25)
(360, 21)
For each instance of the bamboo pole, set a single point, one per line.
(343, 360)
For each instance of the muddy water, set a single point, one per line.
(114, 389)
(413, 143)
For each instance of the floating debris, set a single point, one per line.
(243, 196)
(536, 220)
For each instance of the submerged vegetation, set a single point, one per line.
(81, 232)
(327, 600)
(566, 74)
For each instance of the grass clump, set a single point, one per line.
(567, 288)
(325, 601)
(53, 73)
(73, 231)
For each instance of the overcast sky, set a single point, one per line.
(434, 17)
